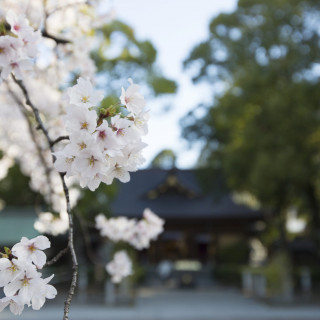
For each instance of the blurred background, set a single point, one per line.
(232, 164)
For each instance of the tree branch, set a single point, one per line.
(56, 39)
(67, 197)
(33, 137)
(59, 139)
(56, 258)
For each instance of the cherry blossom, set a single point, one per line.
(25, 286)
(101, 147)
(52, 224)
(80, 119)
(7, 49)
(115, 229)
(120, 266)
(132, 98)
(19, 24)
(155, 223)
(137, 233)
(15, 304)
(44, 291)
(10, 270)
(31, 250)
(83, 94)
(19, 276)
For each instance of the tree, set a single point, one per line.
(120, 55)
(64, 135)
(165, 159)
(263, 129)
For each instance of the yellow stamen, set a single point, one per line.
(13, 268)
(91, 161)
(69, 160)
(84, 125)
(85, 99)
(25, 282)
(32, 248)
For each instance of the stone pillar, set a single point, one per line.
(109, 293)
(247, 282)
(82, 291)
(305, 282)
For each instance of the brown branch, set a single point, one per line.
(57, 257)
(34, 110)
(66, 193)
(59, 139)
(72, 252)
(54, 38)
(33, 137)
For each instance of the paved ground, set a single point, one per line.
(209, 304)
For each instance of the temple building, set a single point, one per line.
(196, 223)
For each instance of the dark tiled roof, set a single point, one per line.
(176, 195)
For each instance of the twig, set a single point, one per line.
(66, 193)
(58, 40)
(72, 252)
(57, 257)
(59, 139)
(34, 110)
(33, 136)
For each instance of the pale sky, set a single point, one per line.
(174, 27)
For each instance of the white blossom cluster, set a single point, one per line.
(52, 224)
(17, 48)
(52, 62)
(19, 276)
(102, 146)
(137, 233)
(120, 266)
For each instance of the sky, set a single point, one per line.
(174, 27)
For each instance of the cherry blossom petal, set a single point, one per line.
(42, 242)
(39, 258)
(4, 263)
(11, 288)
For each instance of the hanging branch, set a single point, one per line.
(59, 139)
(45, 34)
(67, 197)
(59, 255)
(32, 134)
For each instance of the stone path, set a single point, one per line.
(160, 304)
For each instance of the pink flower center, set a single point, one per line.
(17, 27)
(120, 132)
(127, 100)
(102, 134)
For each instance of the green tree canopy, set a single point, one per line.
(121, 55)
(165, 159)
(263, 131)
